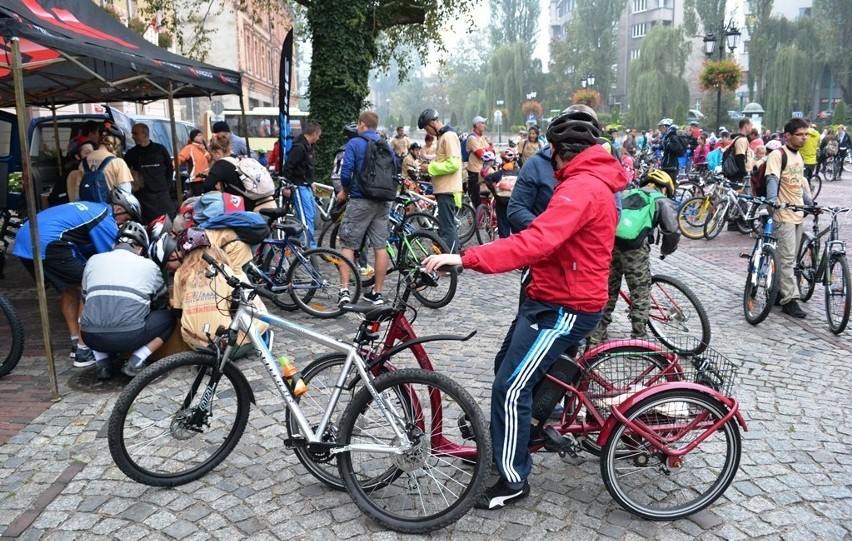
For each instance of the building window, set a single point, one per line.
(640, 5)
(638, 30)
(804, 12)
(634, 54)
(557, 31)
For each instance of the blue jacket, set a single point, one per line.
(86, 227)
(533, 190)
(353, 161)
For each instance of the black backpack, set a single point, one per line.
(94, 186)
(729, 161)
(676, 144)
(377, 179)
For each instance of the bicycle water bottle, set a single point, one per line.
(292, 376)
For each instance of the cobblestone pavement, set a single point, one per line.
(57, 480)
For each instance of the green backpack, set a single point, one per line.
(637, 218)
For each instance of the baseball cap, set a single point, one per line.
(221, 126)
(478, 119)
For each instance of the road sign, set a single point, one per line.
(498, 117)
(217, 107)
(798, 114)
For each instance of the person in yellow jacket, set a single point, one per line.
(809, 150)
(446, 173)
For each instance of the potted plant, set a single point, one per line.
(725, 74)
(587, 96)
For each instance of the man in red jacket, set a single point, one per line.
(568, 249)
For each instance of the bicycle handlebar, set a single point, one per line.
(235, 282)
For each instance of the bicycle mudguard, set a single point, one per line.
(614, 345)
(621, 409)
(421, 340)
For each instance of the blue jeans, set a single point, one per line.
(543, 331)
(303, 203)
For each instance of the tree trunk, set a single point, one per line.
(344, 49)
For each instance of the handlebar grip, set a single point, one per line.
(450, 268)
(208, 258)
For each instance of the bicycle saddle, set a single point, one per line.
(371, 313)
(274, 214)
(290, 229)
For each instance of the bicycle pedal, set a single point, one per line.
(557, 443)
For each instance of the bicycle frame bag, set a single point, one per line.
(546, 394)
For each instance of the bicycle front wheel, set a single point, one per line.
(314, 281)
(692, 216)
(761, 287)
(837, 293)
(416, 247)
(647, 482)
(276, 265)
(816, 185)
(805, 270)
(12, 348)
(677, 317)
(847, 163)
(465, 218)
(159, 434)
(444, 452)
(486, 231)
(718, 220)
(421, 220)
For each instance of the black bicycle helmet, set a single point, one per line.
(576, 128)
(134, 234)
(161, 249)
(350, 130)
(128, 202)
(426, 117)
(414, 146)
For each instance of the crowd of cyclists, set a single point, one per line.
(576, 210)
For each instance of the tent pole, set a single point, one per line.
(20, 109)
(178, 178)
(56, 137)
(244, 122)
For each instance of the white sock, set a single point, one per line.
(143, 353)
(100, 355)
(82, 346)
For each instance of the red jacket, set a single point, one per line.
(569, 246)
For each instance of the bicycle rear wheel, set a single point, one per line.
(365, 259)
(159, 436)
(761, 287)
(677, 317)
(816, 185)
(805, 270)
(442, 468)
(465, 217)
(421, 220)
(718, 219)
(486, 231)
(648, 483)
(692, 216)
(415, 248)
(314, 281)
(11, 348)
(837, 293)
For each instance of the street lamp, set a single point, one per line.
(732, 37)
(588, 80)
(387, 112)
(531, 95)
(498, 119)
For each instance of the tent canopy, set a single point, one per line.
(75, 52)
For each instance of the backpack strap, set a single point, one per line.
(104, 163)
(86, 168)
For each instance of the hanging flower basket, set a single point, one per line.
(532, 107)
(587, 96)
(725, 74)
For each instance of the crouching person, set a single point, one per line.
(124, 293)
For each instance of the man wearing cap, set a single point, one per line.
(238, 144)
(477, 145)
(197, 161)
(411, 165)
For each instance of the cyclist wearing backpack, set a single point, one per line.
(225, 176)
(477, 145)
(642, 210)
(101, 171)
(568, 249)
(529, 145)
(299, 170)
(365, 218)
(673, 147)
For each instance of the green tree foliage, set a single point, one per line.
(834, 20)
(702, 17)
(679, 113)
(186, 21)
(514, 20)
(788, 84)
(505, 79)
(761, 47)
(656, 77)
(589, 46)
(840, 115)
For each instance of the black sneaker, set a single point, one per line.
(343, 297)
(373, 297)
(499, 495)
(84, 357)
(793, 309)
(133, 366)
